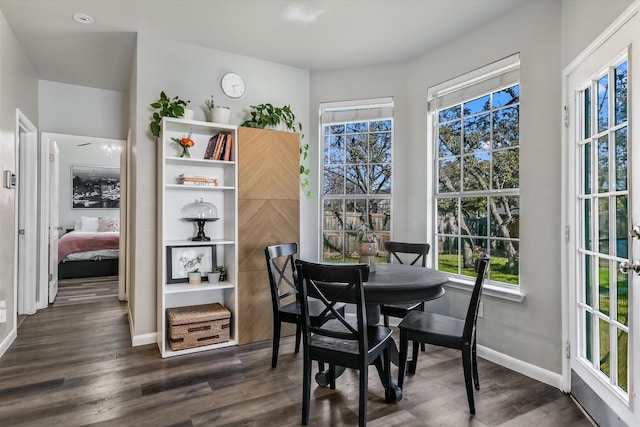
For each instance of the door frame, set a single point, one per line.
(24, 292)
(569, 167)
(45, 139)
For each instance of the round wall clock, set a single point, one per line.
(232, 85)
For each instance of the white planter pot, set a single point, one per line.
(221, 115)
(188, 114)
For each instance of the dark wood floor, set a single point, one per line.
(72, 365)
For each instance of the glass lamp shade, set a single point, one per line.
(200, 210)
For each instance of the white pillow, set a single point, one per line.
(88, 223)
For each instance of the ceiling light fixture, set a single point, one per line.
(82, 18)
(301, 14)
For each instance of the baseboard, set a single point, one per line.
(138, 340)
(6, 343)
(537, 373)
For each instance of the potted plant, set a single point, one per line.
(367, 244)
(266, 116)
(217, 113)
(167, 107)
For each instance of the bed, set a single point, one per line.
(90, 249)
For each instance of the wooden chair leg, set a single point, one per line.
(298, 336)
(414, 359)
(423, 346)
(402, 362)
(276, 343)
(474, 361)
(468, 380)
(362, 396)
(306, 390)
(332, 376)
(388, 393)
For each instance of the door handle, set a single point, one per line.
(635, 232)
(625, 267)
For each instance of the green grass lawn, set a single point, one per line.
(497, 268)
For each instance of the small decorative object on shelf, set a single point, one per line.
(200, 212)
(223, 273)
(195, 278)
(367, 246)
(184, 144)
(213, 277)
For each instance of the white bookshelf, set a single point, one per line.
(174, 232)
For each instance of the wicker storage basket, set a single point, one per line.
(198, 325)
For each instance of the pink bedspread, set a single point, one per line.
(72, 243)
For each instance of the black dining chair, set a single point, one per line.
(446, 331)
(283, 284)
(342, 341)
(418, 253)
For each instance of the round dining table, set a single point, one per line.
(395, 283)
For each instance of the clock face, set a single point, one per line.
(232, 85)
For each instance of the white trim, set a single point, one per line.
(496, 291)
(537, 373)
(138, 340)
(9, 339)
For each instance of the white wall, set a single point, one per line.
(529, 331)
(18, 89)
(80, 110)
(87, 155)
(193, 73)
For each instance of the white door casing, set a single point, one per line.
(26, 239)
(54, 224)
(601, 201)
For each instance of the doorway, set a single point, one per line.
(62, 212)
(602, 207)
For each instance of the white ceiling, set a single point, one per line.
(346, 33)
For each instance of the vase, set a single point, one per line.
(221, 115)
(367, 248)
(367, 252)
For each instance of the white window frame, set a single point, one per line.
(502, 73)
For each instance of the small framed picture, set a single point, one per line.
(182, 260)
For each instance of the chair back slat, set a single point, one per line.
(474, 302)
(419, 249)
(281, 269)
(333, 284)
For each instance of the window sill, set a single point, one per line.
(491, 290)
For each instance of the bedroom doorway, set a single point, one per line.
(83, 204)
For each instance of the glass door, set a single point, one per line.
(602, 209)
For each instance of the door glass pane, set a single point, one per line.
(621, 93)
(587, 224)
(603, 103)
(603, 164)
(622, 237)
(588, 337)
(588, 281)
(586, 154)
(621, 159)
(586, 117)
(623, 358)
(622, 306)
(603, 225)
(603, 285)
(605, 357)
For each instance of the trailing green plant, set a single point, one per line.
(167, 107)
(264, 115)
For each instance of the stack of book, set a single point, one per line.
(219, 147)
(202, 180)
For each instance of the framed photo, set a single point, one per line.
(95, 187)
(182, 260)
